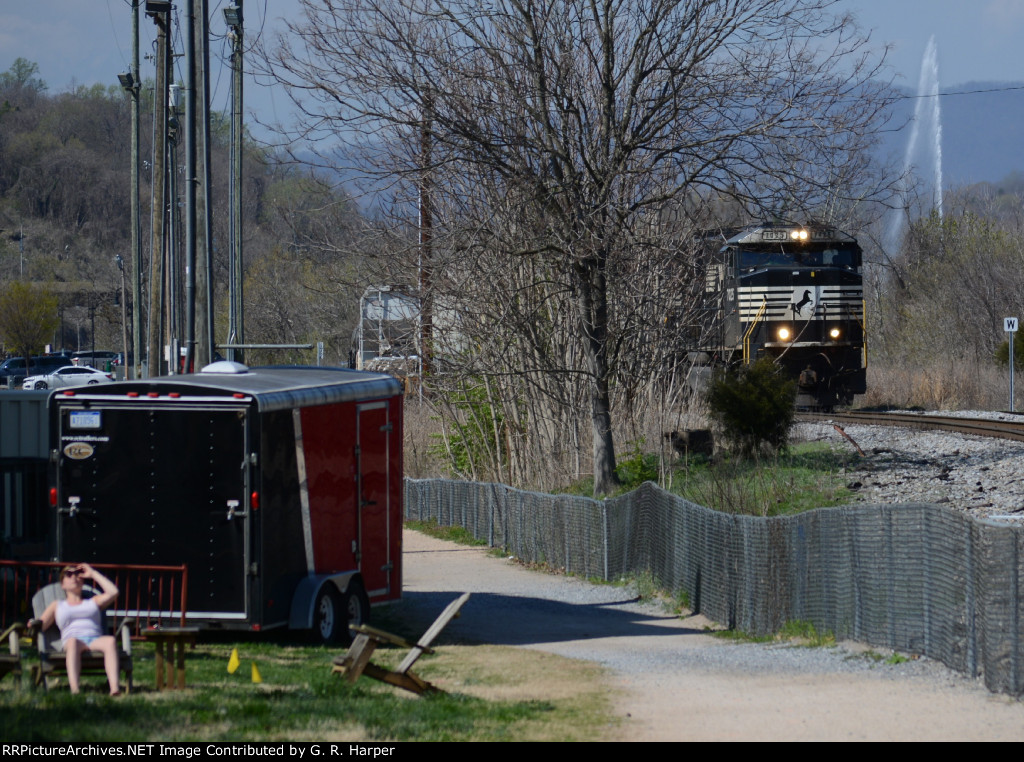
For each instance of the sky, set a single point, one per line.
(83, 42)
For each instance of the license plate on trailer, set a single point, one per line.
(85, 419)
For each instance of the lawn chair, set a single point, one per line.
(10, 663)
(52, 659)
(356, 661)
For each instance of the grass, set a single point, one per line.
(810, 475)
(874, 656)
(800, 633)
(494, 694)
(449, 533)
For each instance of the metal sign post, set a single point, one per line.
(1010, 326)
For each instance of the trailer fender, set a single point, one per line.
(307, 592)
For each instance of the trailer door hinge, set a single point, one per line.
(387, 427)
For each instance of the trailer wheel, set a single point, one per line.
(357, 607)
(329, 625)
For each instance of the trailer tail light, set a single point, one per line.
(238, 396)
(154, 395)
(133, 395)
(254, 501)
(53, 497)
(69, 394)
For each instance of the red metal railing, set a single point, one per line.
(150, 596)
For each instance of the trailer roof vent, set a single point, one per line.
(225, 366)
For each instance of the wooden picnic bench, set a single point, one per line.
(356, 660)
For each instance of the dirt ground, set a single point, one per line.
(674, 682)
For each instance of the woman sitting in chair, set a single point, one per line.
(80, 621)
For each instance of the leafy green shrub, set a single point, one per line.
(1003, 355)
(753, 404)
(636, 467)
(470, 443)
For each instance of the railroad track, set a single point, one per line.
(1011, 428)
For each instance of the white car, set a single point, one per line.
(69, 375)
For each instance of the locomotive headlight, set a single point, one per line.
(798, 235)
(783, 334)
(834, 333)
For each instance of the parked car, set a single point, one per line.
(13, 369)
(69, 375)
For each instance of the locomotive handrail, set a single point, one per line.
(750, 331)
(863, 320)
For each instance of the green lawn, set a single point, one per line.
(495, 693)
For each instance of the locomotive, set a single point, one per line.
(793, 293)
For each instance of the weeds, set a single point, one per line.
(457, 534)
(636, 467)
(878, 658)
(808, 476)
(799, 633)
(806, 634)
(738, 636)
(645, 586)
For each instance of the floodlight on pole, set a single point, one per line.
(233, 17)
(154, 7)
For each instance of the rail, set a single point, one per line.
(149, 596)
(982, 427)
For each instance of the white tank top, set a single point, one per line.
(81, 621)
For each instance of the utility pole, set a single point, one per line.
(236, 310)
(172, 271)
(124, 313)
(136, 362)
(160, 13)
(204, 269)
(426, 239)
(191, 181)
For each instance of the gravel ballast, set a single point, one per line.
(981, 476)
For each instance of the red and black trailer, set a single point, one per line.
(279, 487)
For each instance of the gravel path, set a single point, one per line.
(676, 683)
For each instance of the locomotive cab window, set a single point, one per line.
(832, 257)
(750, 260)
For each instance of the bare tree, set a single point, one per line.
(586, 117)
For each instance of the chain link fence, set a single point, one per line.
(918, 578)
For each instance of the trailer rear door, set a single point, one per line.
(160, 485)
(373, 435)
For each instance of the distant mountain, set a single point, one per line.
(982, 131)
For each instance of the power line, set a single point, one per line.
(962, 92)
